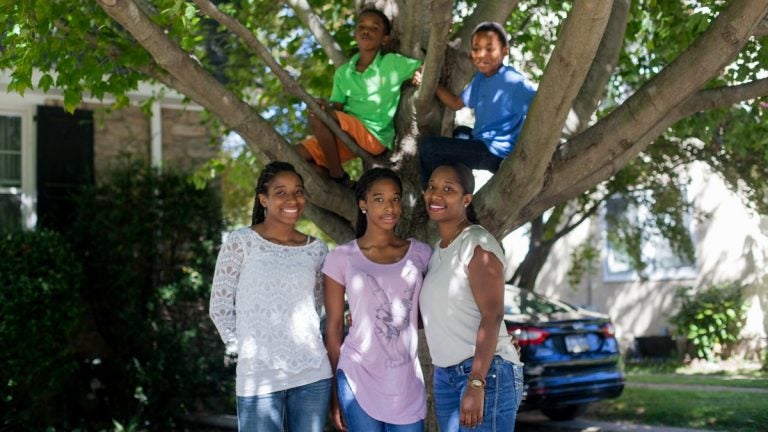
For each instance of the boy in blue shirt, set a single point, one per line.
(364, 99)
(500, 97)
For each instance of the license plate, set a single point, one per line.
(576, 344)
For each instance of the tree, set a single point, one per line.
(614, 78)
(655, 180)
(108, 46)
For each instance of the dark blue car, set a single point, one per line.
(570, 354)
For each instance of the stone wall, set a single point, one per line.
(186, 139)
(123, 132)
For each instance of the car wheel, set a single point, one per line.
(568, 412)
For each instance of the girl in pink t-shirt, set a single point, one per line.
(378, 376)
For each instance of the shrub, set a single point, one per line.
(712, 317)
(149, 245)
(40, 311)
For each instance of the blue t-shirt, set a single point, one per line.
(500, 102)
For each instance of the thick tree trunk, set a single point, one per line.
(538, 251)
(528, 270)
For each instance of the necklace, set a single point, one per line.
(453, 237)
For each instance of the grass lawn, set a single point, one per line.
(714, 380)
(716, 410)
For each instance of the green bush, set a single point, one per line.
(149, 244)
(40, 309)
(712, 317)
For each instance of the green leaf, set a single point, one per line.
(46, 82)
(71, 99)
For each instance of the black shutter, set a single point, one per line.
(64, 163)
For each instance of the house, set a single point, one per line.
(731, 244)
(46, 154)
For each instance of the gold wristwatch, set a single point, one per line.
(476, 383)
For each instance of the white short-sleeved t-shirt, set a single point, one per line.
(451, 316)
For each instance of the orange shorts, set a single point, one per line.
(352, 126)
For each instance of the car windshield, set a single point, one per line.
(518, 302)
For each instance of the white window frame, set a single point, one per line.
(652, 273)
(28, 190)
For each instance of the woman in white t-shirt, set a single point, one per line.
(478, 376)
(265, 303)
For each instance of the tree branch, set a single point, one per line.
(315, 25)
(646, 114)
(235, 113)
(584, 215)
(522, 175)
(602, 68)
(720, 97)
(486, 10)
(411, 26)
(337, 228)
(653, 109)
(441, 13)
(761, 29)
(290, 85)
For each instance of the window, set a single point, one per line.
(17, 183)
(662, 261)
(10, 151)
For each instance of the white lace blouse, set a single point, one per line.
(265, 303)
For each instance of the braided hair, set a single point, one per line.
(364, 185)
(270, 171)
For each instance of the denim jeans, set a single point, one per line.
(503, 392)
(358, 420)
(437, 150)
(298, 409)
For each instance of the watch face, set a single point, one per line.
(476, 383)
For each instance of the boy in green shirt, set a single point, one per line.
(365, 95)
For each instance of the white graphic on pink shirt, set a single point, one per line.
(392, 318)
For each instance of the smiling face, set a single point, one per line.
(382, 204)
(371, 33)
(284, 200)
(488, 53)
(444, 197)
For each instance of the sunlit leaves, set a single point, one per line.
(72, 44)
(711, 319)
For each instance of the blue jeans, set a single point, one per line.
(437, 150)
(503, 392)
(298, 409)
(358, 420)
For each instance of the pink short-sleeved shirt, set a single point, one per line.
(379, 355)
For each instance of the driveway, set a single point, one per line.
(533, 421)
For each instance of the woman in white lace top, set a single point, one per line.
(264, 303)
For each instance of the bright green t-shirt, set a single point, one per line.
(372, 95)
